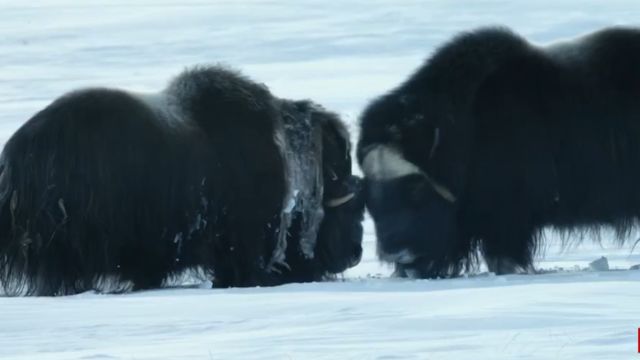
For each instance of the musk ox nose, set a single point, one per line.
(395, 245)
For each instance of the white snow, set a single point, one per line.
(340, 54)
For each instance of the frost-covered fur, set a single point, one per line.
(106, 184)
(522, 137)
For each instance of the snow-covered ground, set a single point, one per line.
(341, 54)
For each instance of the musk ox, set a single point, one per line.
(493, 140)
(213, 173)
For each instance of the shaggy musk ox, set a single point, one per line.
(494, 139)
(212, 173)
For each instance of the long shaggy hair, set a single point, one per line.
(212, 173)
(494, 139)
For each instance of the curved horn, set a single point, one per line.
(441, 190)
(340, 201)
(385, 163)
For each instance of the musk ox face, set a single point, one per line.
(338, 245)
(340, 238)
(414, 216)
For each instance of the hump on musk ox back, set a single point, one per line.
(493, 140)
(128, 188)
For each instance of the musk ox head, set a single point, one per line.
(414, 213)
(339, 244)
(325, 199)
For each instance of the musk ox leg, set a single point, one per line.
(509, 247)
(498, 210)
(241, 250)
(498, 216)
(501, 266)
(245, 263)
(511, 183)
(144, 269)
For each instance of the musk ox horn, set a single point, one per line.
(335, 202)
(384, 162)
(441, 190)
